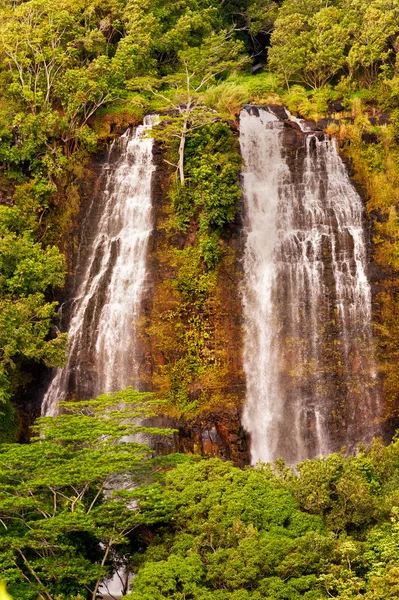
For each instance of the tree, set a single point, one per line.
(287, 54)
(312, 42)
(345, 491)
(27, 272)
(374, 27)
(234, 535)
(331, 530)
(253, 16)
(67, 499)
(62, 59)
(34, 42)
(180, 92)
(382, 555)
(308, 45)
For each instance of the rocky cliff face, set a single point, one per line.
(210, 422)
(371, 158)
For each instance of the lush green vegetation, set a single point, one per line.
(66, 499)
(183, 327)
(328, 532)
(71, 73)
(87, 497)
(346, 42)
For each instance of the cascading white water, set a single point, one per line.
(113, 267)
(308, 355)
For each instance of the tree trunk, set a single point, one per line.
(181, 152)
(94, 596)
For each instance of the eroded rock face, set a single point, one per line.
(217, 431)
(217, 434)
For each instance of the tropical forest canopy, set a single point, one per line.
(76, 503)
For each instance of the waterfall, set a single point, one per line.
(111, 268)
(308, 352)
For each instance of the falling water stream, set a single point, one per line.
(112, 268)
(111, 275)
(308, 356)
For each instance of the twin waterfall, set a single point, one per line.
(308, 352)
(308, 356)
(111, 275)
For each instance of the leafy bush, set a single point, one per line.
(234, 534)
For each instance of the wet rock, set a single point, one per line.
(257, 67)
(384, 119)
(381, 119)
(278, 111)
(17, 139)
(217, 434)
(311, 125)
(252, 110)
(212, 435)
(233, 124)
(324, 123)
(336, 106)
(369, 138)
(292, 125)
(293, 139)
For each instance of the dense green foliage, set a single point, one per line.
(314, 43)
(27, 271)
(234, 535)
(331, 531)
(80, 501)
(66, 512)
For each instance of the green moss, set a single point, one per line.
(129, 111)
(8, 423)
(186, 323)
